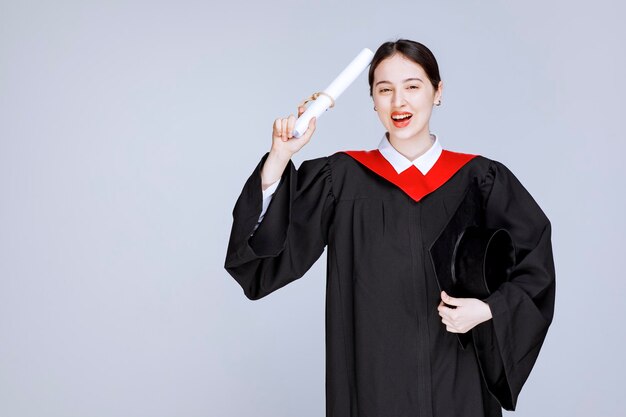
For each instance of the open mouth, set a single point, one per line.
(401, 119)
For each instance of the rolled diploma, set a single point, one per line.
(338, 86)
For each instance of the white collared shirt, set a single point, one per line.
(424, 163)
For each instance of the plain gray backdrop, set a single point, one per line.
(127, 130)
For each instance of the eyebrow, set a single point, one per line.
(408, 79)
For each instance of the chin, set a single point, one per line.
(405, 133)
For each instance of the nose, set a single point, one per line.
(398, 98)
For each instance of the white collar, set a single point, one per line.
(400, 162)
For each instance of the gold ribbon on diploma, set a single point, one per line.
(316, 95)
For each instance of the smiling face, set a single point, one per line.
(404, 97)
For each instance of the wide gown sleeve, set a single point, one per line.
(508, 345)
(293, 233)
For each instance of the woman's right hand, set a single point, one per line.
(283, 143)
(283, 147)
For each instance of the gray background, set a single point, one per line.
(127, 130)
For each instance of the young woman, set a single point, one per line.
(385, 214)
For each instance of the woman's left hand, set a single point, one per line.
(469, 312)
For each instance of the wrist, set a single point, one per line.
(279, 156)
(273, 168)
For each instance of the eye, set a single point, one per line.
(413, 87)
(382, 90)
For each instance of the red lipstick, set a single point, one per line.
(401, 118)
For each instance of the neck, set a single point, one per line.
(414, 146)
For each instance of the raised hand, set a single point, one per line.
(283, 147)
(283, 143)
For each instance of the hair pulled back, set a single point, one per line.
(413, 51)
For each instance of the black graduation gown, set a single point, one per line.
(387, 352)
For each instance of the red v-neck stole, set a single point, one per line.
(411, 180)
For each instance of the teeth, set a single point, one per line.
(404, 116)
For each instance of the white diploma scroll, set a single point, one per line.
(325, 99)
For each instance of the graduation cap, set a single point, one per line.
(471, 260)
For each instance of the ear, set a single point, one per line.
(373, 102)
(439, 91)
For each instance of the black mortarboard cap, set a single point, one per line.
(470, 260)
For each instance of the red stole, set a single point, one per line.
(411, 180)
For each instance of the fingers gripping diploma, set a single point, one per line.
(283, 141)
(466, 314)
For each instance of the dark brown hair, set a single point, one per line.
(413, 51)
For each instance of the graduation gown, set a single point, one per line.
(387, 352)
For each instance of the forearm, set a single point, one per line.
(273, 168)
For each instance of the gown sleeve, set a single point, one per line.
(267, 197)
(508, 345)
(292, 234)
